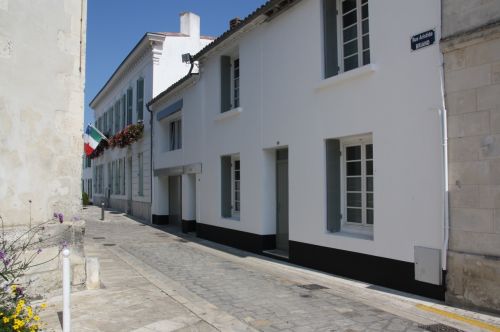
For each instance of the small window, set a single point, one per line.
(111, 128)
(140, 99)
(230, 82)
(231, 186)
(130, 101)
(350, 190)
(346, 35)
(175, 128)
(117, 116)
(123, 105)
(236, 186)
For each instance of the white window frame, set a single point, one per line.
(351, 227)
(235, 82)
(359, 35)
(235, 187)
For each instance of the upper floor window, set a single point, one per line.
(346, 35)
(175, 129)
(230, 82)
(117, 116)
(140, 99)
(130, 100)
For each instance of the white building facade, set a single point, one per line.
(313, 132)
(121, 175)
(87, 176)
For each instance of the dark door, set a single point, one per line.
(282, 199)
(174, 200)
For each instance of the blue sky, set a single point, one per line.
(115, 26)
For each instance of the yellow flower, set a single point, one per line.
(36, 318)
(15, 327)
(43, 305)
(13, 287)
(6, 320)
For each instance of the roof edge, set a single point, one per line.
(159, 37)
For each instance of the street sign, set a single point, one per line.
(423, 39)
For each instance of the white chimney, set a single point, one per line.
(190, 24)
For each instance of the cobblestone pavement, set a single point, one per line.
(255, 290)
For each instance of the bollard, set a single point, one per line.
(66, 291)
(102, 211)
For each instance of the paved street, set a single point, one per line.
(156, 280)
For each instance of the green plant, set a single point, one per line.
(18, 252)
(85, 199)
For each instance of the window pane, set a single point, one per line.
(369, 217)
(237, 164)
(350, 63)
(237, 185)
(348, 5)
(351, 48)
(366, 42)
(369, 151)
(364, 1)
(236, 206)
(369, 184)
(350, 33)
(236, 175)
(353, 152)
(366, 57)
(354, 184)
(365, 28)
(349, 19)
(354, 168)
(354, 215)
(369, 200)
(354, 200)
(364, 11)
(369, 167)
(236, 195)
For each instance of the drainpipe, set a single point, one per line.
(444, 136)
(151, 160)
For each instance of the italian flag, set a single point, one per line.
(91, 139)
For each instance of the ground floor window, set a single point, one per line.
(350, 188)
(231, 186)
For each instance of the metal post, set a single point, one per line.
(66, 291)
(102, 211)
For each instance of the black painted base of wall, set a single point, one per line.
(380, 271)
(188, 226)
(160, 219)
(242, 240)
(375, 270)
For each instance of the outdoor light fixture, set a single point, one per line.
(187, 58)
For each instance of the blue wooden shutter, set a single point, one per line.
(330, 38)
(225, 83)
(333, 187)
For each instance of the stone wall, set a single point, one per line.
(461, 16)
(42, 70)
(472, 86)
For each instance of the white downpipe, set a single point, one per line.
(66, 291)
(444, 133)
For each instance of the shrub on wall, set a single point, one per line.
(130, 134)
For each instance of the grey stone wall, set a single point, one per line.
(472, 86)
(42, 70)
(460, 16)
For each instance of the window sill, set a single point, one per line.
(229, 114)
(354, 235)
(346, 76)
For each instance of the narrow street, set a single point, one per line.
(156, 279)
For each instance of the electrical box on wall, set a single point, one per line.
(428, 265)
